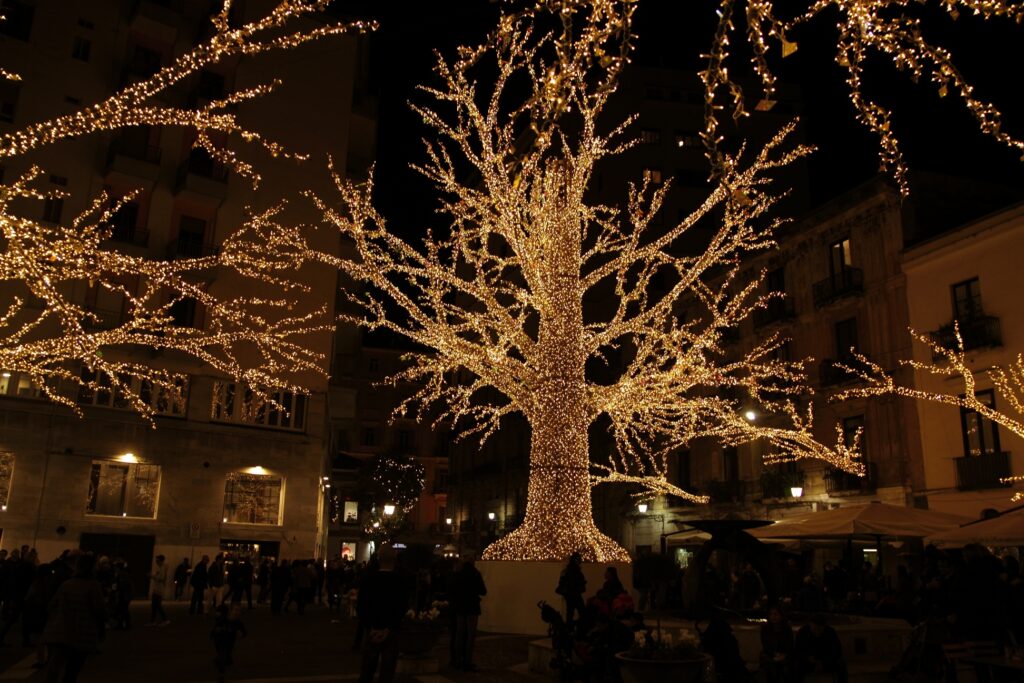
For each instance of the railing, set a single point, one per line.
(135, 150)
(777, 311)
(179, 248)
(839, 482)
(977, 332)
(204, 166)
(830, 374)
(847, 282)
(974, 472)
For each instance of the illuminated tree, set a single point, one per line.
(499, 301)
(395, 480)
(50, 335)
(952, 364)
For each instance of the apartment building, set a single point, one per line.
(216, 474)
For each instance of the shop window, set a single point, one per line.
(252, 498)
(282, 409)
(123, 489)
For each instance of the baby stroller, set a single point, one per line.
(564, 659)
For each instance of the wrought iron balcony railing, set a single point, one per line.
(843, 283)
(974, 472)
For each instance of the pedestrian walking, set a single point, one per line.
(224, 634)
(468, 588)
(383, 600)
(76, 623)
(157, 591)
(198, 581)
(571, 586)
(181, 578)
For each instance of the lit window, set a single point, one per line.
(650, 136)
(123, 489)
(653, 175)
(163, 400)
(282, 409)
(252, 498)
(687, 140)
(981, 435)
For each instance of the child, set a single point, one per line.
(225, 629)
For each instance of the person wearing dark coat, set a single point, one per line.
(467, 589)
(199, 581)
(818, 650)
(571, 586)
(280, 580)
(76, 622)
(777, 648)
(383, 601)
(180, 578)
(122, 596)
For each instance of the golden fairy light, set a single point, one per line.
(888, 28)
(50, 335)
(1007, 383)
(499, 302)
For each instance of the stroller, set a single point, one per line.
(565, 659)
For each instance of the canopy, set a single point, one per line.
(872, 520)
(1005, 530)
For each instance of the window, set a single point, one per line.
(850, 427)
(18, 384)
(17, 21)
(373, 365)
(981, 435)
(839, 257)
(775, 280)
(123, 489)
(351, 512)
(784, 352)
(125, 222)
(730, 464)
(144, 62)
(683, 477)
(687, 140)
(282, 409)
(191, 237)
(164, 400)
(650, 136)
(369, 436)
(6, 474)
(183, 312)
(846, 337)
(9, 92)
(653, 176)
(405, 440)
(81, 48)
(53, 205)
(252, 498)
(967, 300)
(441, 481)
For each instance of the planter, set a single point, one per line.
(417, 643)
(697, 670)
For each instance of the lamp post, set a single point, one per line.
(389, 509)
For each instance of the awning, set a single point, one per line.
(1005, 530)
(872, 520)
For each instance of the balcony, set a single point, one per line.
(725, 491)
(202, 177)
(133, 159)
(125, 227)
(830, 374)
(776, 312)
(841, 483)
(977, 331)
(846, 283)
(976, 472)
(189, 248)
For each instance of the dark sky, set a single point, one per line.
(936, 133)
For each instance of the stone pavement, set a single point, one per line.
(313, 648)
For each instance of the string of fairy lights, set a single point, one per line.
(56, 339)
(1007, 383)
(888, 28)
(498, 302)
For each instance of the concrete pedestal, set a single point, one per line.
(515, 588)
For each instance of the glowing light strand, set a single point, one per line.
(499, 301)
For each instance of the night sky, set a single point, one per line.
(937, 134)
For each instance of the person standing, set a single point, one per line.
(383, 600)
(280, 580)
(122, 596)
(224, 634)
(181, 578)
(198, 581)
(157, 591)
(215, 580)
(468, 589)
(76, 622)
(571, 586)
(245, 572)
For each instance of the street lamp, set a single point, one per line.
(796, 491)
(389, 509)
(642, 507)
(490, 516)
(751, 415)
(448, 521)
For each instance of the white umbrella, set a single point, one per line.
(1005, 530)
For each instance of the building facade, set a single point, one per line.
(216, 474)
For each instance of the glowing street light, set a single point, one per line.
(389, 509)
(448, 521)
(490, 516)
(751, 415)
(796, 491)
(642, 507)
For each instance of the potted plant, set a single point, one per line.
(661, 656)
(421, 630)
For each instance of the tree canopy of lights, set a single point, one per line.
(46, 331)
(891, 29)
(952, 364)
(499, 300)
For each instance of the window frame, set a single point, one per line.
(966, 413)
(130, 477)
(975, 307)
(236, 407)
(231, 481)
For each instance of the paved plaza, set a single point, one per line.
(313, 648)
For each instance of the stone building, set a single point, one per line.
(213, 475)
